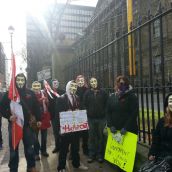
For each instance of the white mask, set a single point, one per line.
(36, 86)
(170, 103)
(93, 82)
(80, 82)
(20, 81)
(55, 84)
(73, 88)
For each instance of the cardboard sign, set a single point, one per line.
(72, 121)
(121, 153)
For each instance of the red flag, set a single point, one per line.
(16, 108)
(13, 93)
(49, 89)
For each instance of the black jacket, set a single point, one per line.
(161, 140)
(63, 104)
(52, 102)
(95, 103)
(80, 93)
(30, 102)
(123, 112)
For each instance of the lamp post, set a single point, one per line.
(11, 31)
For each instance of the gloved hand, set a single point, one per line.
(113, 129)
(123, 131)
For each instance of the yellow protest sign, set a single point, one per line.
(121, 154)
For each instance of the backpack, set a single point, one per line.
(158, 165)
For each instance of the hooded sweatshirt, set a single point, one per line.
(28, 101)
(67, 101)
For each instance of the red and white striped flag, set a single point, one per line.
(16, 108)
(49, 89)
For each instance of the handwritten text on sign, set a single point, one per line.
(122, 155)
(72, 121)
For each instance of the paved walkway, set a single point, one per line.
(47, 164)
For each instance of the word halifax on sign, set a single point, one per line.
(72, 121)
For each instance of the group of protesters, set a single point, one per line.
(118, 111)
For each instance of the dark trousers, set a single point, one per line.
(43, 146)
(96, 137)
(73, 139)
(28, 142)
(55, 126)
(84, 138)
(1, 131)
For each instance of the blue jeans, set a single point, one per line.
(28, 142)
(96, 137)
(43, 146)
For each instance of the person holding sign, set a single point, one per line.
(69, 102)
(123, 108)
(95, 102)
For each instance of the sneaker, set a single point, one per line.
(100, 160)
(37, 158)
(82, 167)
(62, 170)
(90, 160)
(45, 154)
(55, 150)
(33, 169)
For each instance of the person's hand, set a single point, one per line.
(123, 131)
(113, 129)
(13, 118)
(151, 157)
(39, 123)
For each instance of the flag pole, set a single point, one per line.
(11, 31)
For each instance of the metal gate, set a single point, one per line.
(146, 59)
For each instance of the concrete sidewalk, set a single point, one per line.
(46, 164)
(50, 164)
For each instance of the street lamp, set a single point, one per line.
(11, 31)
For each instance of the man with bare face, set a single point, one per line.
(54, 120)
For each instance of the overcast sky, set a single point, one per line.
(12, 12)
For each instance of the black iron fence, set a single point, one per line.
(145, 56)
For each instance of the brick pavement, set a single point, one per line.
(46, 164)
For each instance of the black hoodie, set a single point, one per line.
(27, 100)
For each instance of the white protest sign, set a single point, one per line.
(72, 121)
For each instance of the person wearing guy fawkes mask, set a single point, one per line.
(95, 102)
(42, 98)
(81, 89)
(27, 98)
(69, 102)
(54, 121)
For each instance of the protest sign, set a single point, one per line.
(72, 121)
(122, 153)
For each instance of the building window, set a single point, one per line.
(157, 65)
(156, 28)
